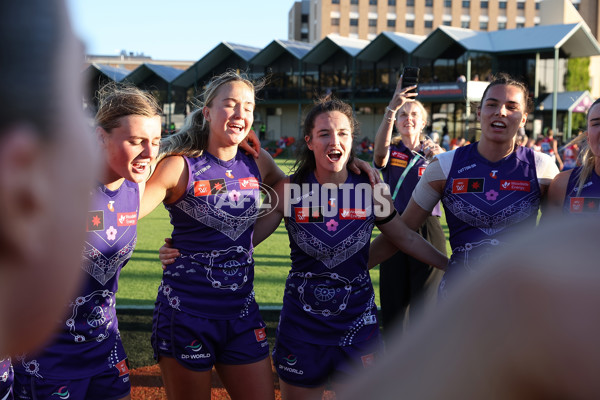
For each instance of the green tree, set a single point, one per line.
(577, 78)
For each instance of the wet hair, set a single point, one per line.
(32, 35)
(586, 156)
(505, 79)
(192, 139)
(120, 100)
(398, 138)
(305, 161)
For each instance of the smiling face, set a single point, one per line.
(593, 129)
(230, 114)
(501, 113)
(411, 120)
(331, 142)
(130, 148)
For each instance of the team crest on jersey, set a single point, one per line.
(468, 185)
(584, 204)
(352, 213)
(248, 183)
(127, 219)
(515, 186)
(95, 221)
(308, 214)
(213, 186)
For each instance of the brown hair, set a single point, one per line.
(305, 161)
(505, 79)
(120, 100)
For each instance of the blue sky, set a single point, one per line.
(176, 29)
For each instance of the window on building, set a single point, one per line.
(372, 22)
(520, 5)
(391, 2)
(391, 23)
(484, 4)
(501, 25)
(537, 5)
(483, 25)
(353, 21)
(428, 24)
(335, 22)
(410, 3)
(576, 5)
(465, 24)
(335, 1)
(502, 5)
(520, 25)
(373, 2)
(447, 3)
(410, 23)
(466, 4)
(428, 3)
(447, 23)
(304, 18)
(353, 1)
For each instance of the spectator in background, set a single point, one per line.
(549, 146)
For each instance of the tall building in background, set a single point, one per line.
(312, 20)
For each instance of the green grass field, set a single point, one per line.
(139, 280)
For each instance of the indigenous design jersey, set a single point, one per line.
(588, 201)
(213, 226)
(6, 378)
(89, 339)
(486, 201)
(400, 157)
(329, 288)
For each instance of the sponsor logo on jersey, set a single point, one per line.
(468, 185)
(195, 347)
(493, 174)
(248, 183)
(229, 174)
(123, 367)
(111, 206)
(421, 171)
(584, 204)
(127, 219)
(399, 154)
(368, 360)
(62, 393)
(353, 213)
(261, 334)
(519, 186)
(95, 221)
(213, 186)
(395, 162)
(308, 214)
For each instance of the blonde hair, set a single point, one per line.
(120, 100)
(586, 156)
(398, 138)
(192, 139)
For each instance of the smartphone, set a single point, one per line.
(410, 77)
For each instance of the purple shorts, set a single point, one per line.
(199, 343)
(310, 365)
(112, 384)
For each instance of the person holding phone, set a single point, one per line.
(406, 283)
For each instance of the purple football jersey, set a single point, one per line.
(90, 334)
(213, 223)
(485, 203)
(329, 296)
(587, 202)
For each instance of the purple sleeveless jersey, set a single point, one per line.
(400, 158)
(86, 344)
(6, 377)
(485, 203)
(329, 296)
(587, 202)
(213, 224)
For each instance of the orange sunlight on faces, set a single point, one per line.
(331, 143)
(231, 114)
(130, 148)
(501, 113)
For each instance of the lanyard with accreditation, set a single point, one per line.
(411, 164)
